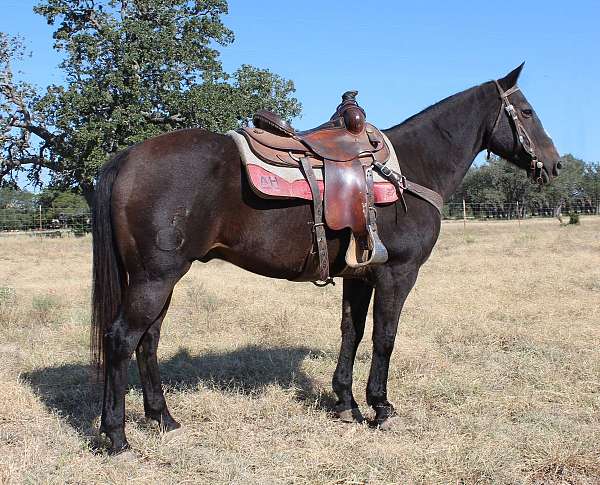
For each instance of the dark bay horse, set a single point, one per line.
(184, 197)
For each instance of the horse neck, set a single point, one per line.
(436, 147)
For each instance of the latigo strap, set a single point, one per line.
(318, 226)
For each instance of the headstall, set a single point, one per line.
(520, 131)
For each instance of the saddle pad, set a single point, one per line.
(269, 181)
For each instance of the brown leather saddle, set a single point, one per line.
(345, 147)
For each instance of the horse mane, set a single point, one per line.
(433, 112)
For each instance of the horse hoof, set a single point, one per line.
(120, 449)
(172, 434)
(170, 425)
(390, 424)
(126, 456)
(350, 416)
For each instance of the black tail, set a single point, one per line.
(108, 273)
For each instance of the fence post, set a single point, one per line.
(40, 206)
(518, 215)
(464, 216)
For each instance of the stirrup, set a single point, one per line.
(322, 284)
(376, 253)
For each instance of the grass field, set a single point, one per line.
(496, 372)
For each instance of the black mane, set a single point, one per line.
(434, 110)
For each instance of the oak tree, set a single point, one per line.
(132, 69)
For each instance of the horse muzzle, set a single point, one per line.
(556, 169)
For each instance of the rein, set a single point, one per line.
(521, 132)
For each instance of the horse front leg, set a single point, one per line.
(355, 305)
(391, 290)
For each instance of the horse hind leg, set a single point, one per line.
(155, 405)
(143, 304)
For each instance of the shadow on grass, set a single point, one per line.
(70, 391)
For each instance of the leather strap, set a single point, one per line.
(401, 184)
(371, 212)
(521, 132)
(318, 226)
(431, 196)
(379, 252)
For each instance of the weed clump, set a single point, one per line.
(573, 218)
(7, 295)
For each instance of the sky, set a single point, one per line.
(400, 56)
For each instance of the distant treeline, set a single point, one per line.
(495, 189)
(47, 199)
(21, 210)
(497, 184)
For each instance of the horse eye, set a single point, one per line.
(527, 112)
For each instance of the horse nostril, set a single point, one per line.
(556, 170)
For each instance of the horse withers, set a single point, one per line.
(183, 197)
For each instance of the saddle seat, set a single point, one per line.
(345, 137)
(345, 148)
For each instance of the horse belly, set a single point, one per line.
(272, 241)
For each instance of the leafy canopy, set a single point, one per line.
(133, 69)
(498, 182)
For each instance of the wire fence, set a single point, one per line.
(518, 210)
(49, 221)
(55, 221)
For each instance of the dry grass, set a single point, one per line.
(496, 373)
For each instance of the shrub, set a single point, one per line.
(7, 294)
(573, 218)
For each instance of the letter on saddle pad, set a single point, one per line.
(344, 148)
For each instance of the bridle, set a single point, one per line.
(520, 131)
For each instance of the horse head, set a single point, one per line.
(517, 134)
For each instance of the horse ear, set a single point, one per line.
(511, 78)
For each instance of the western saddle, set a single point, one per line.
(347, 149)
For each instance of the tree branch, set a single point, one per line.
(40, 131)
(13, 96)
(91, 17)
(11, 164)
(160, 119)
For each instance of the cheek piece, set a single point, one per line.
(520, 132)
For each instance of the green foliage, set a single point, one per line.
(7, 295)
(498, 182)
(16, 199)
(60, 200)
(573, 218)
(49, 209)
(43, 303)
(133, 69)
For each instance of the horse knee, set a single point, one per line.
(384, 345)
